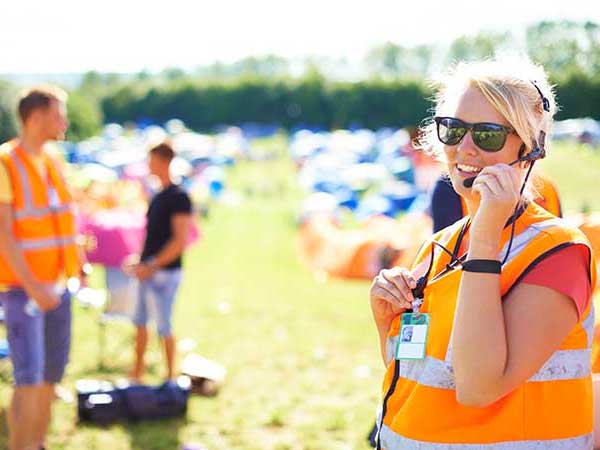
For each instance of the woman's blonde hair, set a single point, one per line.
(510, 85)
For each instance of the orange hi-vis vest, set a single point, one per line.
(547, 194)
(552, 410)
(45, 230)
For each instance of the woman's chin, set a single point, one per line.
(457, 180)
(459, 186)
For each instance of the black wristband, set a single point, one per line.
(482, 266)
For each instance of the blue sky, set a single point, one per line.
(62, 36)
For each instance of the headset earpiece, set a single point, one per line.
(538, 152)
(533, 155)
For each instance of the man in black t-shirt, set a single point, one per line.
(159, 269)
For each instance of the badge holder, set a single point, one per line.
(412, 337)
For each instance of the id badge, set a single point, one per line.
(413, 336)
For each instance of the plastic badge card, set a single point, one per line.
(413, 336)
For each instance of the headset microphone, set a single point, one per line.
(534, 155)
(469, 182)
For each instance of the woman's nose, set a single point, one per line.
(467, 144)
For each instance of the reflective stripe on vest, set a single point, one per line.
(521, 240)
(37, 213)
(433, 372)
(30, 211)
(39, 244)
(391, 440)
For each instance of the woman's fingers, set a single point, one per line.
(394, 286)
(508, 178)
(379, 293)
(501, 180)
(482, 189)
(487, 184)
(391, 288)
(402, 279)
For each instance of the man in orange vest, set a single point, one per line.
(37, 255)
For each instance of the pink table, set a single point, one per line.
(118, 233)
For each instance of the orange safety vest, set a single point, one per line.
(45, 233)
(547, 194)
(551, 410)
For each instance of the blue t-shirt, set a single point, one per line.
(445, 205)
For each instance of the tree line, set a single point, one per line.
(392, 90)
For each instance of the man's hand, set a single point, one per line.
(130, 264)
(43, 295)
(142, 271)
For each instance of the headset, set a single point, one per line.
(538, 151)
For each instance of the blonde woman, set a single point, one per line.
(499, 302)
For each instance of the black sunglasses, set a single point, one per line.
(489, 137)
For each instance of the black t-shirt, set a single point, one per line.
(170, 201)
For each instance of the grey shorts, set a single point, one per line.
(158, 294)
(39, 341)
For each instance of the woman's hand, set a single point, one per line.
(391, 294)
(498, 187)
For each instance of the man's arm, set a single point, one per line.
(180, 224)
(13, 255)
(9, 249)
(173, 249)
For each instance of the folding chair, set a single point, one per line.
(116, 302)
(122, 294)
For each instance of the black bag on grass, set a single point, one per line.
(156, 402)
(102, 403)
(99, 402)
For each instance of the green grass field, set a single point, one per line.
(576, 170)
(302, 357)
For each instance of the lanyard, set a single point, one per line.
(455, 260)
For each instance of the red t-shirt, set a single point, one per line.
(569, 263)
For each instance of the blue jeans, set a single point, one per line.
(39, 341)
(158, 292)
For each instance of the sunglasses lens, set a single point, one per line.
(489, 137)
(451, 131)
